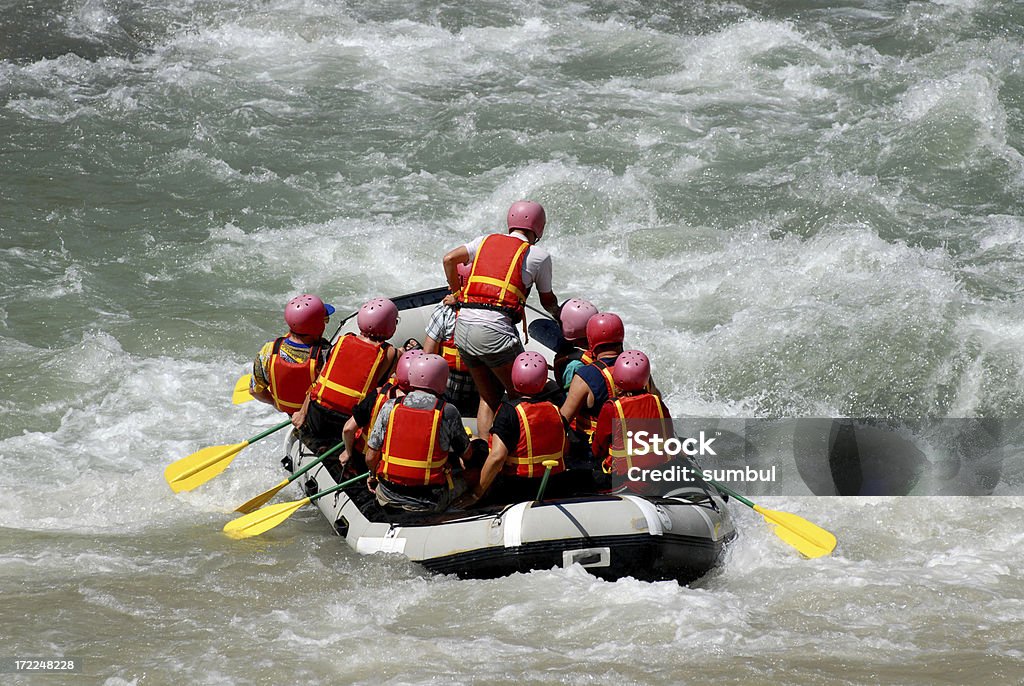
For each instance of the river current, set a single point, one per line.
(800, 209)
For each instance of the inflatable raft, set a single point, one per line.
(612, 536)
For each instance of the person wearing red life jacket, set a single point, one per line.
(574, 351)
(440, 339)
(415, 448)
(287, 366)
(505, 268)
(364, 414)
(634, 409)
(526, 432)
(357, 364)
(592, 384)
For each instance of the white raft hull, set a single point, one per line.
(647, 538)
(652, 539)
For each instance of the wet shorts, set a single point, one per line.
(483, 346)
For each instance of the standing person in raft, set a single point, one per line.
(357, 363)
(505, 268)
(287, 366)
(440, 339)
(417, 442)
(525, 433)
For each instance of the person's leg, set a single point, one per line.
(490, 389)
(504, 374)
(498, 381)
(489, 355)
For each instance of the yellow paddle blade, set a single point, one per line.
(241, 393)
(200, 466)
(262, 520)
(261, 500)
(810, 539)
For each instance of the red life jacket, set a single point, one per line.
(644, 406)
(541, 437)
(496, 280)
(385, 393)
(450, 353)
(411, 454)
(290, 381)
(351, 371)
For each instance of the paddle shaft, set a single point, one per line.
(732, 493)
(317, 461)
(269, 431)
(265, 519)
(810, 539)
(548, 466)
(184, 468)
(341, 324)
(327, 491)
(543, 484)
(253, 503)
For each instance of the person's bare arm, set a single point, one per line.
(579, 395)
(348, 434)
(489, 472)
(452, 259)
(263, 396)
(299, 418)
(550, 303)
(372, 458)
(495, 461)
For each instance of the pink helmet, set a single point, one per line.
(526, 214)
(575, 314)
(378, 318)
(464, 271)
(402, 368)
(305, 314)
(429, 372)
(632, 370)
(604, 328)
(529, 373)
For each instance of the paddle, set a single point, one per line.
(265, 496)
(241, 393)
(548, 466)
(811, 540)
(203, 465)
(267, 518)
